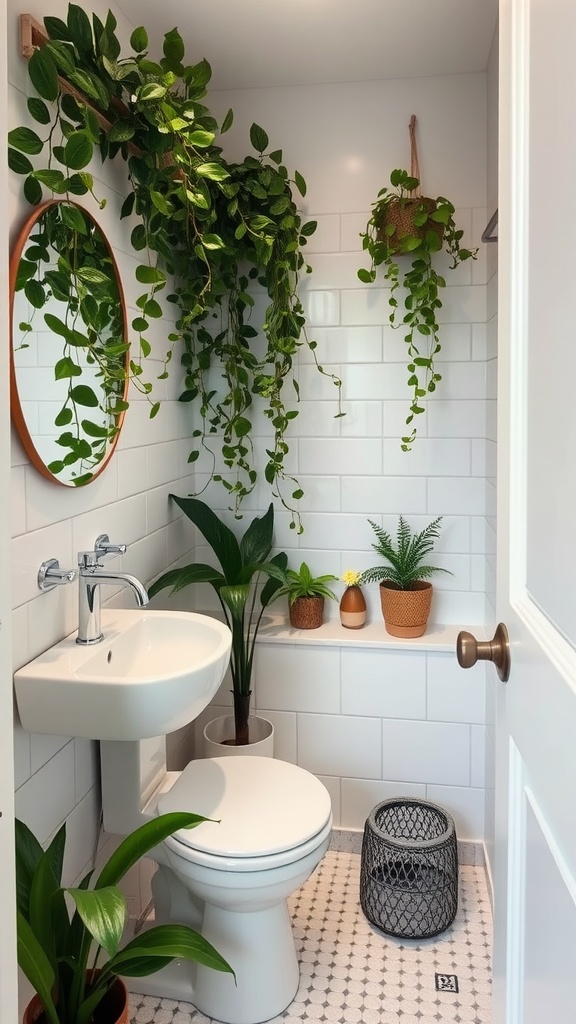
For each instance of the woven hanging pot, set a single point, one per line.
(399, 214)
(307, 612)
(406, 611)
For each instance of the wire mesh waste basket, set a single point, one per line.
(409, 868)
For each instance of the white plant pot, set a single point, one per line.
(221, 729)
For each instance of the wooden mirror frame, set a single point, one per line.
(17, 414)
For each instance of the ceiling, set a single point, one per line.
(260, 43)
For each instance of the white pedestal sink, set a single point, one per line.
(153, 673)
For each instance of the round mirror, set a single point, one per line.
(69, 348)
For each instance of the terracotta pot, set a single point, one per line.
(406, 611)
(307, 612)
(113, 1008)
(353, 608)
(400, 215)
(219, 736)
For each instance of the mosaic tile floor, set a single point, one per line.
(353, 974)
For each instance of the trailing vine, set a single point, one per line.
(210, 226)
(405, 224)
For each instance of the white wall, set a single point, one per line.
(378, 719)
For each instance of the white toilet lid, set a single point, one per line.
(264, 805)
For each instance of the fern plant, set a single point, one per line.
(406, 557)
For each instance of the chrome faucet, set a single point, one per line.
(91, 576)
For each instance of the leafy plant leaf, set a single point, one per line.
(43, 74)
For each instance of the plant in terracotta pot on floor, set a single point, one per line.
(405, 592)
(63, 932)
(244, 565)
(306, 594)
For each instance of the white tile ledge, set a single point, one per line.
(275, 629)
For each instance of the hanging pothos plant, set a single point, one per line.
(405, 224)
(207, 226)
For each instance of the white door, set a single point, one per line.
(535, 876)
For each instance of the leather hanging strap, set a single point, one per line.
(414, 165)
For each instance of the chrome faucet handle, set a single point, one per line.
(104, 549)
(50, 575)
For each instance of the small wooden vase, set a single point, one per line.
(353, 608)
(307, 612)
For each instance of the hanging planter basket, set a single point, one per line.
(397, 227)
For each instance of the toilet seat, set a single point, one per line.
(268, 809)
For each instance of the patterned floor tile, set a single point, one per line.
(351, 973)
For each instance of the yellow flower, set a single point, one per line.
(351, 578)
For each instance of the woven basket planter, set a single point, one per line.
(307, 612)
(406, 611)
(399, 214)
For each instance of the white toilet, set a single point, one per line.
(230, 878)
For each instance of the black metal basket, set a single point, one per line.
(409, 868)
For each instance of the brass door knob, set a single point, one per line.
(469, 650)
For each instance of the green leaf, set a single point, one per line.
(73, 218)
(54, 180)
(216, 172)
(173, 47)
(32, 191)
(79, 28)
(141, 841)
(227, 122)
(18, 163)
(300, 183)
(167, 941)
(139, 39)
(84, 395)
(120, 131)
(64, 417)
(201, 138)
(212, 241)
(25, 140)
(161, 203)
(91, 275)
(140, 324)
(34, 292)
(366, 276)
(78, 151)
(103, 912)
(43, 74)
(242, 426)
(56, 28)
(63, 59)
(151, 91)
(38, 110)
(36, 966)
(308, 228)
(258, 138)
(149, 275)
(64, 368)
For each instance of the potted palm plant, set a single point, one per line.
(243, 564)
(306, 594)
(60, 951)
(403, 223)
(405, 593)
